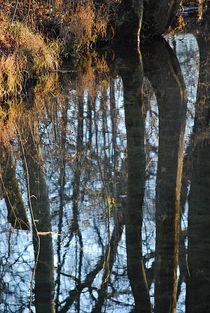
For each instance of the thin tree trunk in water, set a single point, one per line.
(76, 196)
(165, 75)
(42, 235)
(111, 250)
(62, 182)
(131, 71)
(15, 206)
(102, 292)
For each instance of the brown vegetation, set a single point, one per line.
(24, 54)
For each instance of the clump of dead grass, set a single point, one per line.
(24, 54)
(83, 24)
(93, 75)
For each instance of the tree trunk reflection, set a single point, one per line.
(16, 211)
(198, 282)
(131, 72)
(42, 235)
(164, 73)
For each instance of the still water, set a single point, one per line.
(105, 185)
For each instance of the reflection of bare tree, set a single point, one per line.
(110, 253)
(164, 73)
(198, 282)
(110, 256)
(76, 190)
(11, 191)
(130, 68)
(42, 235)
(62, 181)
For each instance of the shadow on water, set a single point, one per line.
(76, 235)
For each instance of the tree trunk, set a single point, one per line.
(128, 27)
(158, 16)
(42, 234)
(17, 216)
(131, 71)
(198, 282)
(165, 75)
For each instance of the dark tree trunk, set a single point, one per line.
(198, 282)
(42, 234)
(148, 17)
(131, 71)
(129, 21)
(15, 206)
(165, 75)
(159, 15)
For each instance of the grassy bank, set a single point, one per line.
(24, 54)
(34, 35)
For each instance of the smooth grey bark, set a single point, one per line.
(131, 71)
(163, 71)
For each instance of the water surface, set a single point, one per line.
(105, 179)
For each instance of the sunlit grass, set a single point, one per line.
(24, 54)
(83, 24)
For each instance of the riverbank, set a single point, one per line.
(35, 37)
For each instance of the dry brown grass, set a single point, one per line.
(19, 114)
(24, 53)
(93, 75)
(83, 24)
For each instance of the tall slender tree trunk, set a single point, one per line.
(42, 235)
(16, 210)
(131, 71)
(165, 75)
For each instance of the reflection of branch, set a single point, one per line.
(112, 247)
(100, 241)
(61, 198)
(102, 292)
(76, 188)
(13, 197)
(40, 211)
